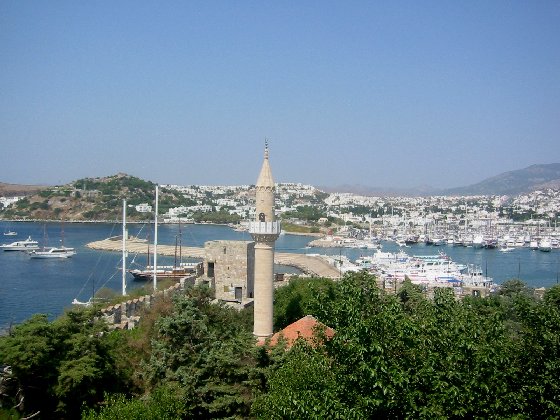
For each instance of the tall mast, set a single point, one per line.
(176, 242)
(180, 243)
(155, 239)
(124, 247)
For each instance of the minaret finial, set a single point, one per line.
(265, 148)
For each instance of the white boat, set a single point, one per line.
(80, 303)
(478, 241)
(439, 241)
(10, 233)
(53, 252)
(545, 245)
(25, 245)
(428, 270)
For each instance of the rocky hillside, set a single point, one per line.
(514, 182)
(93, 199)
(13, 190)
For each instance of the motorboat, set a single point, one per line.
(53, 252)
(25, 245)
(545, 245)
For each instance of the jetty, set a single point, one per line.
(312, 265)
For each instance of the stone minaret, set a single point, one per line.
(265, 231)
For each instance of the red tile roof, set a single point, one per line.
(305, 328)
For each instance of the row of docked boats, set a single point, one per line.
(506, 243)
(31, 247)
(430, 271)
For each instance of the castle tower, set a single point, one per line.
(265, 231)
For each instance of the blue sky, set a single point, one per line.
(388, 94)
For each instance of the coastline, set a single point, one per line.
(150, 221)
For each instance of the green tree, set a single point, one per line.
(298, 299)
(407, 356)
(205, 352)
(59, 366)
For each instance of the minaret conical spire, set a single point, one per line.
(265, 177)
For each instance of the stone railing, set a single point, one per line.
(265, 228)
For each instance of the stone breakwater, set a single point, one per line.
(141, 247)
(312, 265)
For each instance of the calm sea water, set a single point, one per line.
(29, 286)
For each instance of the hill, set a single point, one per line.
(12, 190)
(93, 199)
(419, 191)
(514, 182)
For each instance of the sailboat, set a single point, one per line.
(154, 272)
(53, 252)
(174, 272)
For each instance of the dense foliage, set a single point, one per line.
(221, 216)
(395, 356)
(306, 213)
(56, 367)
(97, 199)
(407, 356)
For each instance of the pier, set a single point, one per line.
(309, 264)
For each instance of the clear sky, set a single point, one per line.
(389, 94)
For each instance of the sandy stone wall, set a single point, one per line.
(230, 267)
(126, 315)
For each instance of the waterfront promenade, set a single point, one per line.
(309, 264)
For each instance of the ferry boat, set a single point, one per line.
(25, 245)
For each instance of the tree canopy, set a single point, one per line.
(392, 355)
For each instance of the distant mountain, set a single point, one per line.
(508, 183)
(521, 181)
(422, 190)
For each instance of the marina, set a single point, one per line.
(29, 286)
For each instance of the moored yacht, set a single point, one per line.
(478, 241)
(545, 245)
(25, 245)
(53, 252)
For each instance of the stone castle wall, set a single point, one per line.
(126, 315)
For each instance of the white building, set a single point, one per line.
(143, 208)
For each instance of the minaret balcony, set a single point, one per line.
(265, 228)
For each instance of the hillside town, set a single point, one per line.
(512, 220)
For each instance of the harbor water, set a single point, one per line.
(29, 286)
